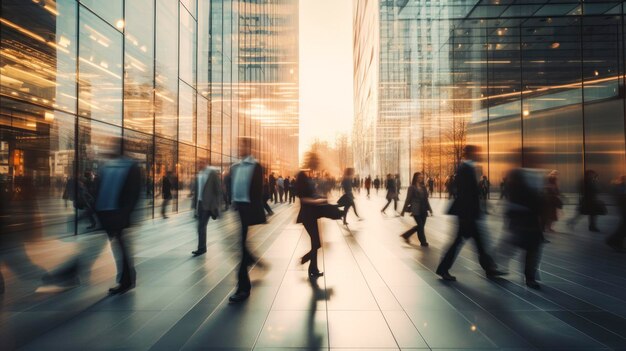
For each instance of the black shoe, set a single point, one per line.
(494, 273)
(239, 297)
(405, 238)
(314, 275)
(533, 284)
(447, 276)
(424, 244)
(198, 253)
(120, 289)
(616, 247)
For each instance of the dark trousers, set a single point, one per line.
(89, 214)
(347, 208)
(468, 228)
(368, 192)
(203, 221)
(395, 204)
(164, 205)
(247, 259)
(292, 195)
(419, 228)
(617, 238)
(533, 253)
(267, 207)
(274, 195)
(281, 192)
(313, 230)
(123, 258)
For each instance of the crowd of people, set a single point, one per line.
(531, 196)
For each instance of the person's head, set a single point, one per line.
(348, 172)
(245, 146)
(418, 178)
(471, 152)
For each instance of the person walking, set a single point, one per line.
(392, 195)
(207, 202)
(466, 207)
(312, 207)
(166, 193)
(272, 184)
(120, 182)
(552, 202)
(280, 185)
(226, 189)
(247, 193)
(376, 184)
(418, 205)
(286, 184)
(266, 197)
(524, 210)
(431, 185)
(368, 185)
(347, 200)
(589, 204)
(292, 190)
(484, 185)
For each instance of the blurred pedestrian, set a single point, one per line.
(280, 185)
(524, 210)
(589, 204)
(266, 197)
(377, 184)
(312, 207)
(272, 184)
(287, 185)
(347, 199)
(392, 194)
(552, 202)
(166, 193)
(418, 205)
(226, 189)
(247, 193)
(466, 206)
(368, 185)
(207, 202)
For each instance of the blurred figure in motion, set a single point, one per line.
(589, 204)
(552, 202)
(280, 185)
(418, 205)
(120, 181)
(466, 206)
(392, 194)
(206, 200)
(312, 207)
(247, 192)
(166, 193)
(267, 194)
(292, 190)
(616, 240)
(503, 188)
(226, 189)
(483, 185)
(398, 186)
(347, 199)
(272, 183)
(368, 185)
(524, 211)
(377, 184)
(431, 185)
(82, 192)
(287, 184)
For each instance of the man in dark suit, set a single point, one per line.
(466, 207)
(118, 193)
(273, 192)
(247, 195)
(206, 201)
(166, 193)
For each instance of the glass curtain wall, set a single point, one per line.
(521, 79)
(162, 81)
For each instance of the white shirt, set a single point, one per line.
(242, 179)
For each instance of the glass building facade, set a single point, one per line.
(175, 81)
(520, 78)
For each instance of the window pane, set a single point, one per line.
(204, 7)
(38, 62)
(139, 65)
(100, 70)
(36, 166)
(186, 173)
(109, 10)
(203, 122)
(187, 47)
(186, 114)
(166, 99)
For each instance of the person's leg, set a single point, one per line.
(345, 213)
(592, 223)
(421, 234)
(485, 260)
(532, 261)
(123, 259)
(313, 231)
(395, 204)
(354, 209)
(243, 285)
(203, 221)
(409, 232)
(448, 258)
(384, 208)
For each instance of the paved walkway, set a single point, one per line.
(377, 293)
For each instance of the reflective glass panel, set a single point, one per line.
(166, 79)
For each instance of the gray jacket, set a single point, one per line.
(211, 192)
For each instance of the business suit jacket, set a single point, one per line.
(416, 201)
(127, 190)
(257, 213)
(467, 203)
(211, 193)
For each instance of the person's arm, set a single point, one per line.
(407, 201)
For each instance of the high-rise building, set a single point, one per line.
(521, 79)
(169, 83)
